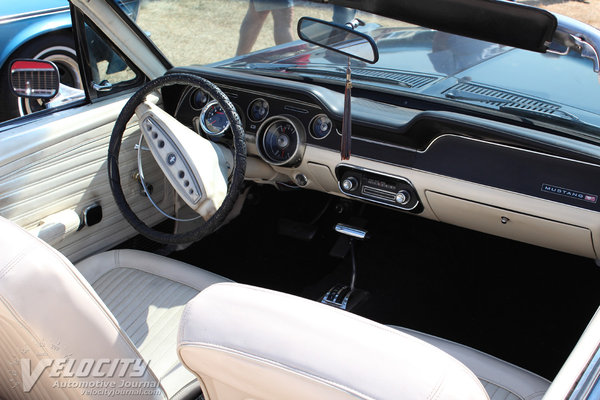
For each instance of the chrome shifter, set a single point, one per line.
(344, 296)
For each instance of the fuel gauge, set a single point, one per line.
(258, 110)
(320, 126)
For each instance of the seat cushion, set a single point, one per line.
(254, 343)
(146, 294)
(502, 380)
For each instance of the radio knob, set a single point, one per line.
(349, 183)
(402, 197)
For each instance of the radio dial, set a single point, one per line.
(402, 197)
(349, 183)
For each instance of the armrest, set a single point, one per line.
(56, 227)
(246, 342)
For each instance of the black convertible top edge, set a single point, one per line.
(496, 21)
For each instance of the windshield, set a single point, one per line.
(259, 36)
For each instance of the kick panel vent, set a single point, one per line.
(500, 98)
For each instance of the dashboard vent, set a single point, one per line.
(414, 81)
(482, 94)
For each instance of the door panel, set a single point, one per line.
(58, 162)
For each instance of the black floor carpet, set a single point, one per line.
(523, 304)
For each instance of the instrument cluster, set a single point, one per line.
(280, 126)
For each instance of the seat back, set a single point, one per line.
(249, 343)
(57, 338)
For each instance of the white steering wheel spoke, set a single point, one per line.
(197, 168)
(207, 176)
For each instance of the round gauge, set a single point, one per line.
(198, 99)
(280, 141)
(320, 126)
(213, 120)
(258, 110)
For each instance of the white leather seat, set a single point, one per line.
(125, 330)
(146, 293)
(256, 343)
(502, 380)
(122, 312)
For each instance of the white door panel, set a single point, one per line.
(59, 163)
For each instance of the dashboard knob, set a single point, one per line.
(402, 197)
(349, 183)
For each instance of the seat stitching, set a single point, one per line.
(134, 301)
(11, 264)
(435, 391)
(498, 385)
(347, 389)
(171, 327)
(351, 316)
(130, 302)
(536, 394)
(94, 297)
(157, 296)
(167, 321)
(475, 350)
(110, 287)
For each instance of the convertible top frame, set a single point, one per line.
(496, 21)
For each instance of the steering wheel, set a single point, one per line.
(207, 176)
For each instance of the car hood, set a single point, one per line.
(12, 8)
(410, 49)
(449, 59)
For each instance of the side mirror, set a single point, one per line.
(34, 79)
(341, 39)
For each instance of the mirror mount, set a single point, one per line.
(355, 23)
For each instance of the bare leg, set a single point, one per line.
(282, 25)
(250, 28)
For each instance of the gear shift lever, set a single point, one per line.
(344, 296)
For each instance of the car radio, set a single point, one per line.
(378, 188)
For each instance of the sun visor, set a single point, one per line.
(496, 21)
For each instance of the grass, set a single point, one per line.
(205, 31)
(586, 11)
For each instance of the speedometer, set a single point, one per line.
(213, 120)
(281, 140)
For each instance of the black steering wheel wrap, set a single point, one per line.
(236, 177)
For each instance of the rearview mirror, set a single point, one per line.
(341, 39)
(34, 79)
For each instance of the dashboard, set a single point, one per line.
(504, 179)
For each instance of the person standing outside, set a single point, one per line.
(258, 11)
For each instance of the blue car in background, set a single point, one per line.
(39, 29)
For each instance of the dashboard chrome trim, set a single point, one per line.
(507, 147)
(263, 94)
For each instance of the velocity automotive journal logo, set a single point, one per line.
(104, 377)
